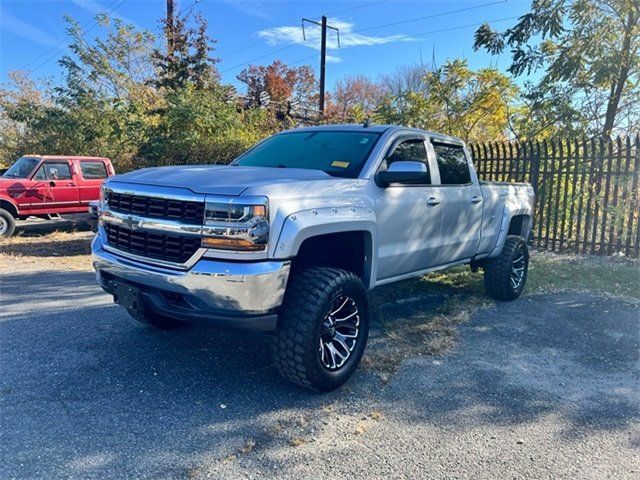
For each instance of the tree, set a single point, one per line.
(353, 99)
(281, 82)
(473, 105)
(188, 61)
(406, 79)
(588, 51)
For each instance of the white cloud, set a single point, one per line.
(333, 59)
(348, 38)
(22, 29)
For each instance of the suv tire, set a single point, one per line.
(506, 274)
(7, 224)
(323, 330)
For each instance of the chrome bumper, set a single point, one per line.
(220, 290)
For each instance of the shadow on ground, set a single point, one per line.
(85, 391)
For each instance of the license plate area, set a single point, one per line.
(127, 296)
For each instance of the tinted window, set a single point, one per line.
(338, 153)
(452, 163)
(93, 170)
(410, 151)
(57, 171)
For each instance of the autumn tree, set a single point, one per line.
(589, 54)
(353, 99)
(281, 82)
(473, 105)
(188, 59)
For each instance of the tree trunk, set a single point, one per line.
(618, 84)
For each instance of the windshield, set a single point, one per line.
(338, 153)
(22, 168)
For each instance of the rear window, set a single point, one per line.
(452, 163)
(93, 170)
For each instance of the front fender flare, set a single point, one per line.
(306, 224)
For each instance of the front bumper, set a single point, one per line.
(236, 295)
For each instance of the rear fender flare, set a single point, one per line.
(511, 210)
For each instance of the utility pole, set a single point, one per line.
(170, 29)
(323, 53)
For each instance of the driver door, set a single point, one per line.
(54, 186)
(409, 216)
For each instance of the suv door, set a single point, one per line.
(56, 186)
(461, 203)
(408, 216)
(93, 173)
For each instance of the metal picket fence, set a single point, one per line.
(587, 192)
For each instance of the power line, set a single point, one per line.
(460, 27)
(361, 29)
(342, 10)
(417, 19)
(268, 54)
(57, 47)
(59, 51)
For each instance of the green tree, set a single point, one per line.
(473, 105)
(187, 59)
(589, 54)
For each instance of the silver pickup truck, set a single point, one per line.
(290, 237)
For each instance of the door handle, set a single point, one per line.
(433, 201)
(476, 199)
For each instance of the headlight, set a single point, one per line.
(236, 225)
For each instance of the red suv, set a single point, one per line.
(44, 185)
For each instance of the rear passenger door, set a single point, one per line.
(461, 203)
(92, 173)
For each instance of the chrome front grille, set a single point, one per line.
(166, 247)
(191, 212)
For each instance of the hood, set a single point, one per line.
(219, 180)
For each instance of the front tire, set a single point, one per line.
(506, 274)
(324, 326)
(7, 224)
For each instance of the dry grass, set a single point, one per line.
(58, 250)
(408, 323)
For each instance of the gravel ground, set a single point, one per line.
(544, 387)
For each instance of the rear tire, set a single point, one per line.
(324, 326)
(7, 224)
(506, 274)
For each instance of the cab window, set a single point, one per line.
(53, 171)
(93, 170)
(452, 163)
(412, 150)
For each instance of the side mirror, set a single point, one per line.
(404, 172)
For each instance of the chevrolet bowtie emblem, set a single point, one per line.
(131, 222)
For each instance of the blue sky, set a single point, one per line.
(32, 32)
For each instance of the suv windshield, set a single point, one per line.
(22, 168)
(338, 153)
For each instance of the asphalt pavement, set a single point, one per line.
(544, 387)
